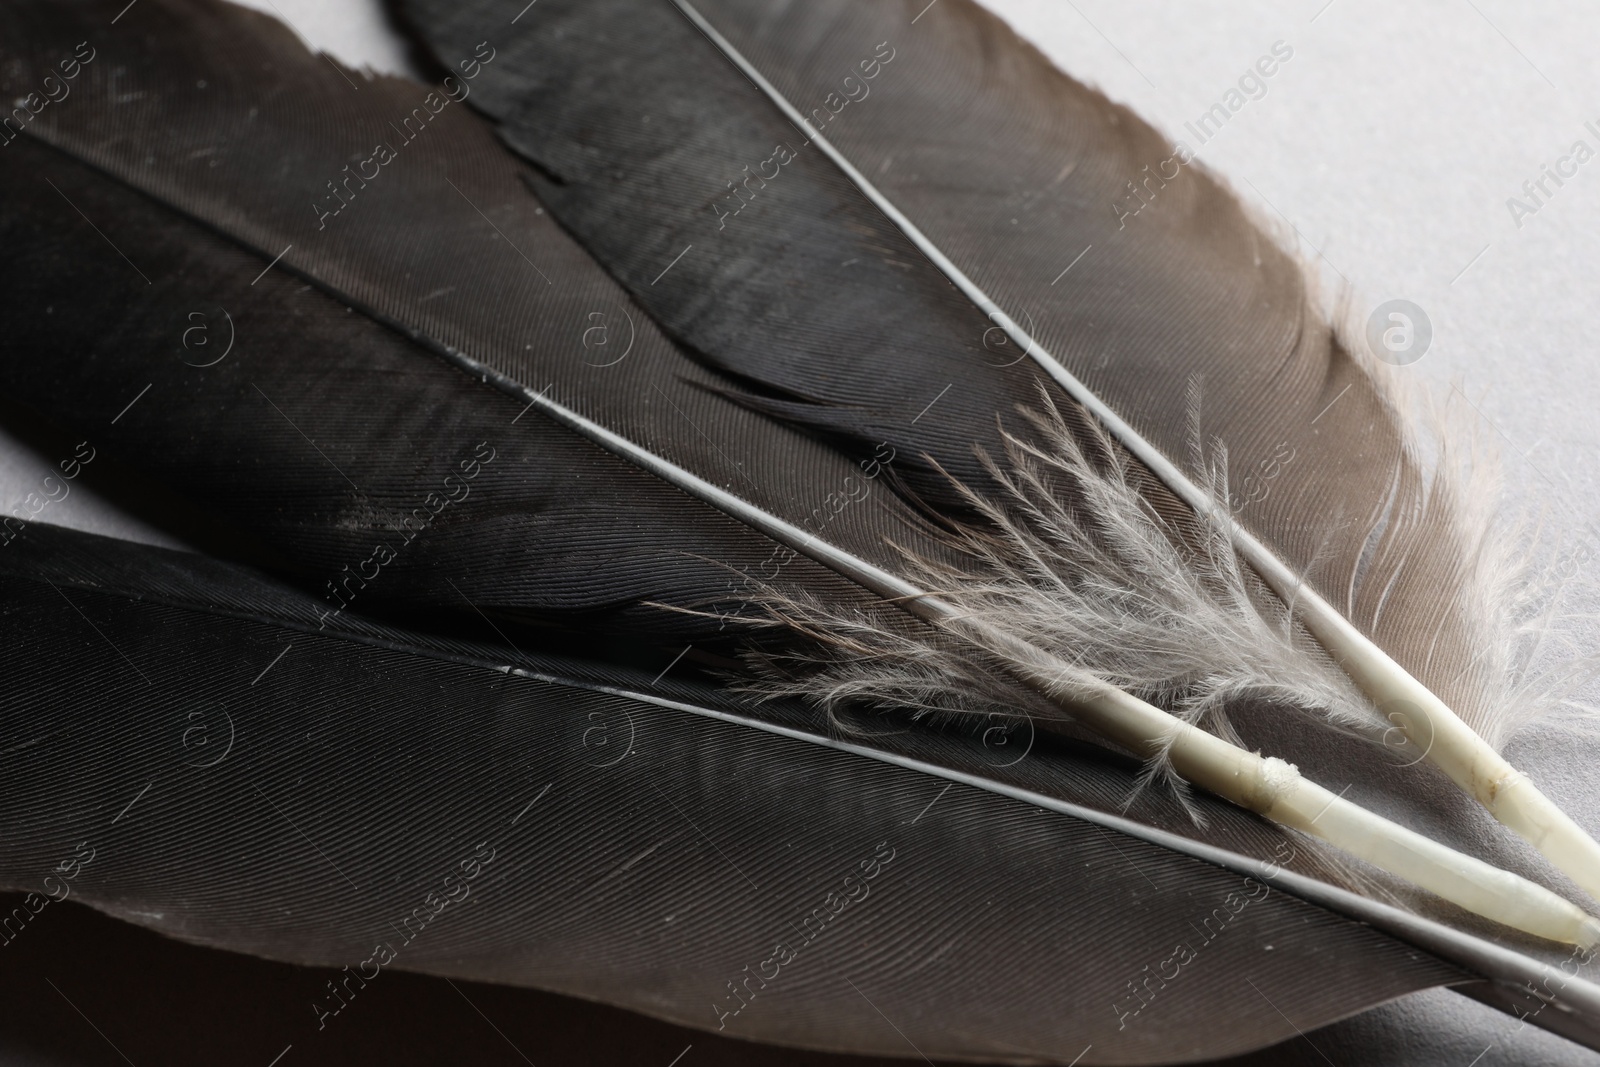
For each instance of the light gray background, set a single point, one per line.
(1386, 148)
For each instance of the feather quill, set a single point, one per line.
(345, 491)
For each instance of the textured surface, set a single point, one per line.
(827, 312)
(641, 855)
(326, 434)
(287, 435)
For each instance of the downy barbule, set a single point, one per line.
(654, 332)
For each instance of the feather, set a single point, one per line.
(1195, 291)
(381, 426)
(234, 742)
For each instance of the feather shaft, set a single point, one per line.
(1425, 719)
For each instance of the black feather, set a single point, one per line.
(243, 776)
